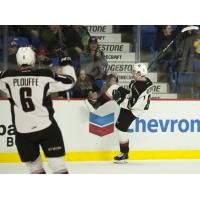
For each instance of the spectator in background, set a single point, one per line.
(42, 58)
(196, 66)
(73, 40)
(186, 51)
(185, 56)
(111, 79)
(30, 32)
(51, 38)
(12, 50)
(166, 60)
(85, 87)
(93, 61)
(85, 36)
(35, 37)
(163, 39)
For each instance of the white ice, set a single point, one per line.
(133, 167)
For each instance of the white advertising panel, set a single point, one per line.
(115, 47)
(168, 125)
(100, 29)
(104, 37)
(120, 57)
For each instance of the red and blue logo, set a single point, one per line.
(101, 125)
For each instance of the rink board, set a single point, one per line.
(169, 130)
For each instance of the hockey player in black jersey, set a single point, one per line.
(32, 112)
(132, 101)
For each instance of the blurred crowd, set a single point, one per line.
(57, 45)
(180, 64)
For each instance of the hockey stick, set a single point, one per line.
(188, 28)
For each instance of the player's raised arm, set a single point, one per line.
(64, 79)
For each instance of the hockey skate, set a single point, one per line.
(90, 105)
(121, 158)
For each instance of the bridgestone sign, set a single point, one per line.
(119, 67)
(120, 57)
(100, 29)
(115, 47)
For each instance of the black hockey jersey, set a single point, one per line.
(137, 98)
(29, 91)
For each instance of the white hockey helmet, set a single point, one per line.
(25, 56)
(140, 67)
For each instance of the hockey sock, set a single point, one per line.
(57, 165)
(124, 148)
(123, 141)
(36, 166)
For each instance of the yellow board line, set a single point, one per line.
(12, 157)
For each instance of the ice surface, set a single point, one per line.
(133, 167)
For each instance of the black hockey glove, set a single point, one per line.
(63, 61)
(116, 95)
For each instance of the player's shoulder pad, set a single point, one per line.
(132, 83)
(45, 72)
(7, 73)
(149, 82)
(141, 86)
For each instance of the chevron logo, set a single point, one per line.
(101, 125)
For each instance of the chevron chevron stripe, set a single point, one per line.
(101, 125)
(101, 120)
(101, 131)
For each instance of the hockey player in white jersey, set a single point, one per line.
(32, 111)
(132, 101)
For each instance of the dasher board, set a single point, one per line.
(164, 96)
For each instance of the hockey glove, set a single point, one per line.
(116, 95)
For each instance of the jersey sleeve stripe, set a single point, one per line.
(12, 103)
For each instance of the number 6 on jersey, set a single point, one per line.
(26, 101)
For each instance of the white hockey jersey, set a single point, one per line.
(29, 90)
